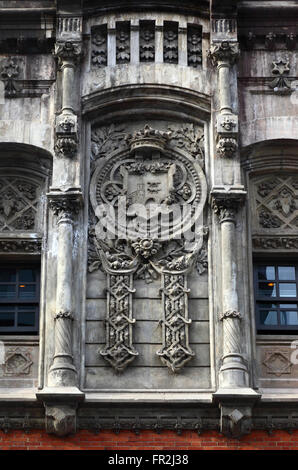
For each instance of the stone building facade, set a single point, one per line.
(148, 215)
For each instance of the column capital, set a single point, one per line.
(65, 205)
(227, 203)
(68, 52)
(224, 53)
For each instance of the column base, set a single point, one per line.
(236, 406)
(60, 409)
(233, 372)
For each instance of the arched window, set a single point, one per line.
(24, 174)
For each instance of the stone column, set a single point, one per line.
(223, 55)
(233, 372)
(234, 395)
(68, 54)
(61, 396)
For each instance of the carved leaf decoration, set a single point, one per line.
(106, 139)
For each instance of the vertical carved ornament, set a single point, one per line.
(194, 46)
(170, 43)
(119, 350)
(99, 47)
(147, 41)
(175, 351)
(122, 43)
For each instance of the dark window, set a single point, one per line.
(19, 299)
(276, 294)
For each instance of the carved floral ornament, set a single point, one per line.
(281, 69)
(187, 137)
(150, 244)
(224, 52)
(275, 204)
(68, 51)
(226, 205)
(65, 206)
(9, 72)
(19, 204)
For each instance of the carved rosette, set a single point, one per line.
(224, 52)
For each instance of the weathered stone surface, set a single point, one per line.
(163, 106)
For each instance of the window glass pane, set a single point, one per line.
(27, 291)
(267, 289)
(26, 316)
(7, 291)
(27, 275)
(6, 316)
(289, 306)
(286, 273)
(268, 317)
(287, 290)
(268, 306)
(289, 318)
(7, 275)
(266, 273)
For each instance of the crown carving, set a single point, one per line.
(148, 139)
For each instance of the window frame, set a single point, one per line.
(258, 299)
(16, 302)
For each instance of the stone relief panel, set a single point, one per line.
(158, 167)
(275, 211)
(146, 31)
(20, 204)
(19, 363)
(277, 362)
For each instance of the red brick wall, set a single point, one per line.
(167, 440)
